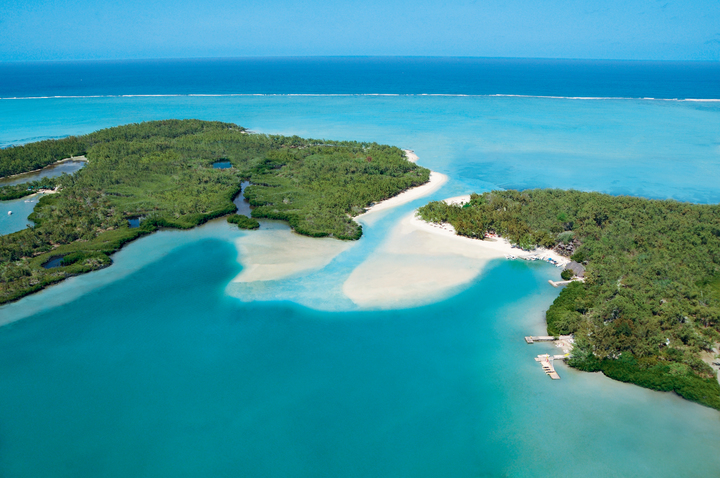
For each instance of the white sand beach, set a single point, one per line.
(411, 156)
(272, 254)
(421, 262)
(436, 181)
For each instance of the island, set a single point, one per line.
(141, 177)
(647, 310)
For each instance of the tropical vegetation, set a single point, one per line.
(648, 311)
(162, 172)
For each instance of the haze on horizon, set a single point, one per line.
(126, 29)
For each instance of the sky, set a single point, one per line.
(127, 29)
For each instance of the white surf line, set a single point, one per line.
(219, 95)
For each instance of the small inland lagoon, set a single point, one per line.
(54, 262)
(51, 171)
(222, 165)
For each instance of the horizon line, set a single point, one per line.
(495, 95)
(287, 57)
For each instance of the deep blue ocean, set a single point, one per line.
(160, 365)
(364, 75)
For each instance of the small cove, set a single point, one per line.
(21, 209)
(51, 171)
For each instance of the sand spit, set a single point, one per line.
(272, 254)
(411, 156)
(435, 182)
(278, 253)
(417, 264)
(420, 263)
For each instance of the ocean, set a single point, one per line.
(162, 365)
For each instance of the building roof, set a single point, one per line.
(577, 268)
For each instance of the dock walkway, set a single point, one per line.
(546, 361)
(531, 339)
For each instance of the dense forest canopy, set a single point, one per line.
(649, 309)
(162, 172)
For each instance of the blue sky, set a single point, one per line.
(98, 29)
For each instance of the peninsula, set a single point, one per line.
(140, 177)
(648, 310)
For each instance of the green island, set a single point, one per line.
(160, 174)
(648, 311)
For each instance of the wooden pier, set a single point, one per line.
(531, 339)
(559, 283)
(546, 362)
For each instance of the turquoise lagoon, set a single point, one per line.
(20, 209)
(157, 367)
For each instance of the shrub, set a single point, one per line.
(567, 274)
(243, 222)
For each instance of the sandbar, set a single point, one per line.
(278, 253)
(272, 254)
(420, 263)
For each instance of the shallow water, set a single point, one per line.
(658, 149)
(183, 380)
(21, 209)
(52, 171)
(242, 204)
(153, 367)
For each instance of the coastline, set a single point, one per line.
(435, 182)
(72, 158)
(272, 254)
(499, 245)
(420, 263)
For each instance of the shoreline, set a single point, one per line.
(500, 245)
(72, 158)
(419, 263)
(272, 254)
(434, 183)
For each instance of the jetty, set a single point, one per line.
(531, 339)
(559, 283)
(566, 282)
(565, 342)
(546, 362)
